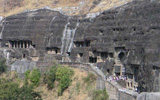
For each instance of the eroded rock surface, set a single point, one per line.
(125, 36)
(149, 96)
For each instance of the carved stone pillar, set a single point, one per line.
(23, 44)
(27, 44)
(15, 44)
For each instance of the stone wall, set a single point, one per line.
(149, 96)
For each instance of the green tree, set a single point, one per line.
(50, 77)
(11, 91)
(63, 76)
(26, 78)
(3, 66)
(35, 76)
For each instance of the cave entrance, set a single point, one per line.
(104, 54)
(87, 43)
(93, 60)
(117, 70)
(80, 54)
(24, 56)
(121, 55)
(20, 44)
(110, 55)
(53, 50)
(68, 53)
(79, 44)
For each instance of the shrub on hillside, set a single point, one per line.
(11, 91)
(100, 95)
(26, 78)
(89, 79)
(33, 77)
(60, 74)
(63, 76)
(3, 66)
(50, 77)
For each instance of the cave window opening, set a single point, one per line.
(53, 50)
(68, 53)
(130, 76)
(88, 43)
(155, 68)
(92, 60)
(80, 54)
(34, 46)
(121, 55)
(110, 55)
(79, 44)
(104, 54)
(24, 55)
(135, 69)
(117, 70)
(56, 51)
(108, 70)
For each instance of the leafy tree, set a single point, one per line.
(63, 76)
(3, 66)
(11, 91)
(26, 78)
(50, 77)
(33, 77)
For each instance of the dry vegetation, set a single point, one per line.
(78, 90)
(10, 7)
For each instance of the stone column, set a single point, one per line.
(27, 44)
(23, 44)
(15, 44)
(9, 44)
(20, 44)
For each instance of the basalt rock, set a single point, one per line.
(128, 34)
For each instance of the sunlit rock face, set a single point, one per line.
(132, 29)
(127, 35)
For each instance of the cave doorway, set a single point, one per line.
(92, 60)
(24, 56)
(121, 55)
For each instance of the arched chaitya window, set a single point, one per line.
(121, 55)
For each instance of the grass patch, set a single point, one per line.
(89, 79)
(100, 95)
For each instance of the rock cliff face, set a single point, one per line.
(149, 96)
(127, 35)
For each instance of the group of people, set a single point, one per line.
(116, 78)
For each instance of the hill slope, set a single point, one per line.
(69, 7)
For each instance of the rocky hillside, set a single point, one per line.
(81, 85)
(69, 7)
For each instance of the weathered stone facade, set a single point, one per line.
(123, 40)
